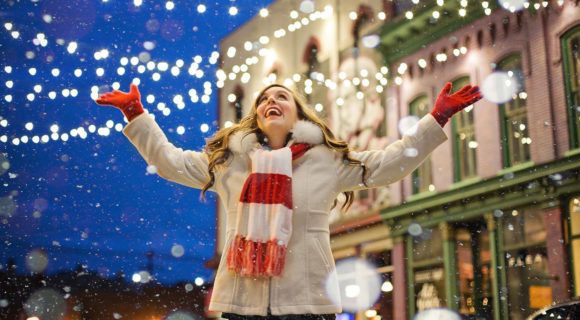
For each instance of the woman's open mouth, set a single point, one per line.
(273, 111)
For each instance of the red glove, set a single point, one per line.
(447, 105)
(128, 102)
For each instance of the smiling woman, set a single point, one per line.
(265, 170)
(277, 114)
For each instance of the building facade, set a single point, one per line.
(489, 224)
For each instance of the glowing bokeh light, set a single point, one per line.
(181, 315)
(437, 314)
(408, 125)
(359, 285)
(371, 40)
(513, 5)
(415, 229)
(177, 251)
(499, 87)
(46, 303)
(36, 261)
(307, 6)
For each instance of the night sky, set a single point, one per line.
(73, 189)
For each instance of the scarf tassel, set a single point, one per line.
(250, 258)
(275, 258)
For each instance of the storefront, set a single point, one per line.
(496, 249)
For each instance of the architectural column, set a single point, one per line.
(495, 271)
(399, 279)
(450, 264)
(558, 262)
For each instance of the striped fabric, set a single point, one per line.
(264, 219)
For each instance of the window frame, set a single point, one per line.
(459, 172)
(513, 61)
(567, 65)
(426, 165)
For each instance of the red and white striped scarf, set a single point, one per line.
(264, 218)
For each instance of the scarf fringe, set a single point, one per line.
(252, 258)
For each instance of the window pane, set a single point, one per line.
(514, 112)
(513, 228)
(474, 274)
(523, 227)
(576, 263)
(573, 56)
(428, 245)
(423, 176)
(575, 216)
(464, 135)
(429, 288)
(518, 138)
(527, 281)
(534, 227)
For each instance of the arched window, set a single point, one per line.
(423, 175)
(514, 116)
(237, 104)
(464, 143)
(479, 38)
(312, 86)
(311, 58)
(571, 54)
(364, 15)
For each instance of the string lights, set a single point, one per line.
(142, 65)
(145, 66)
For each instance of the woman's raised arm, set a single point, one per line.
(185, 167)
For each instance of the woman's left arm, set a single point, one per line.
(394, 162)
(403, 156)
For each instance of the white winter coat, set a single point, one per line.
(318, 177)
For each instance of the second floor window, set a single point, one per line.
(423, 175)
(464, 143)
(571, 55)
(514, 116)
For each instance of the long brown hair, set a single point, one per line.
(218, 151)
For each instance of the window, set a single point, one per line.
(312, 74)
(312, 87)
(575, 240)
(423, 175)
(428, 278)
(571, 55)
(514, 117)
(382, 261)
(474, 272)
(526, 262)
(237, 103)
(464, 143)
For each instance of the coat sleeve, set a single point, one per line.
(394, 162)
(184, 167)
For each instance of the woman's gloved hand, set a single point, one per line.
(128, 102)
(448, 104)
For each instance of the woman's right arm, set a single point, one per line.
(185, 167)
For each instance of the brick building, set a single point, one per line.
(489, 225)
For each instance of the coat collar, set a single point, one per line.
(303, 132)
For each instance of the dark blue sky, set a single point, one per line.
(89, 200)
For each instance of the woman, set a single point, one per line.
(278, 173)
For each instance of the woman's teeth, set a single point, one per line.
(272, 112)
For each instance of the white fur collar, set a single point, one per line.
(304, 131)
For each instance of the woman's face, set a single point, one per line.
(277, 111)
